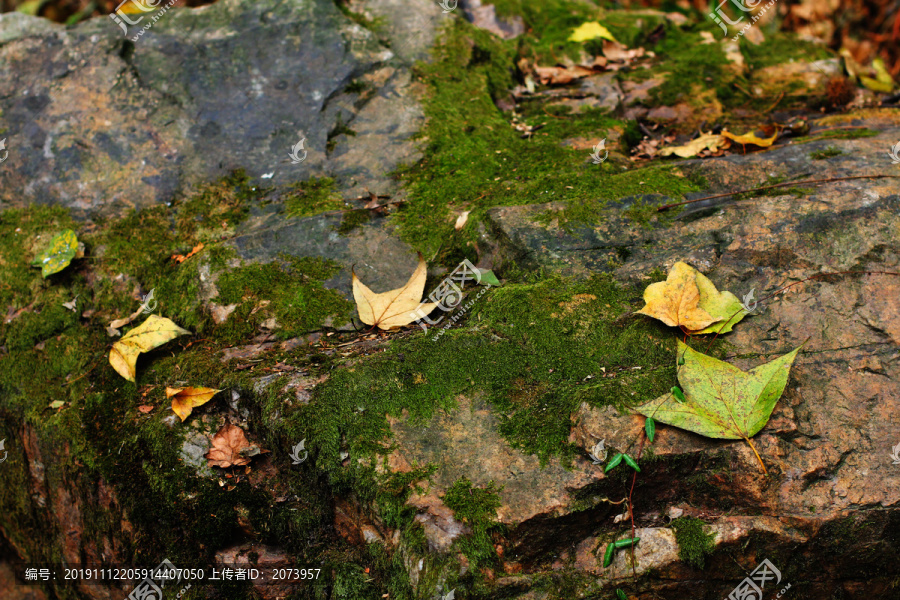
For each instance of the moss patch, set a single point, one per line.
(290, 292)
(477, 508)
(694, 544)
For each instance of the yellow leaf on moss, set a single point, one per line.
(150, 334)
(590, 31)
(394, 308)
(184, 400)
(676, 301)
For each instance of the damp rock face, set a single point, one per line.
(99, 123)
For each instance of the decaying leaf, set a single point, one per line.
(153, 332)
(184, 400)
(146, 408)
(461, 220)
(561, 75)
(721, 401)
(394, 308)
(589, 31)
(676, 301)
(59, 253)
(231, 447)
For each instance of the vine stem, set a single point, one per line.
(631, 505)
(771, 187)
(783, 288)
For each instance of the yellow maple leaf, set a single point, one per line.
(707, 141)
(150, 334)
(184, 400)
(676, 301)
(589, 31)
(394, 308)
(750, 138)
(724, 307)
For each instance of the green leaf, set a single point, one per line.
(621, 595)
(62, 249)
(721, 401)
(676, 391)
(627, 542)
(650, 428)
(614, 462)
(608, 556)
(57, 404)
(488, 277)
(631, 463)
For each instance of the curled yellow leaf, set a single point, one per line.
(150, 334)
(184, 400)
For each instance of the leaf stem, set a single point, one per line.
(758, 457)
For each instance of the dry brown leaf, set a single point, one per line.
(145, 408)
(394, 308)
(676, 301)
(227, 445)
(184, 400)
(562, 75)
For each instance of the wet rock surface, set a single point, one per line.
(101, 124)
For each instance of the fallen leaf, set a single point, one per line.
(145, 408)
(750, 138)
(60, 252)
(707, 141)
(57, 404)
(488, 277)
(589, 31)
(559, 75)
(461, 220)
(184, 400)
(179, 258)
(724, 307)
(153, 332)
(114, 325)
(227, 445)
(676, 301)
(71, 305)
(722, 401)
(394, 308)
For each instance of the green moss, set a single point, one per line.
(353, 219)
(781, 48)
(828, 152)
(290, 291)
(694, 544)
(216, 207)
(477, 508)
(312, 197)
